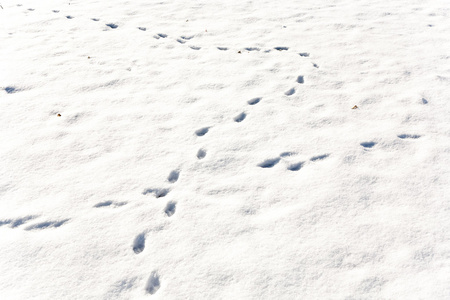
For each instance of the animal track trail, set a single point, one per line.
(239, 118)
(173, 176)
(139, 243)
(158, 193)
(170, 208)
(153, 283)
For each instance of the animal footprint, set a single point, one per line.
(112, 25)
(409, 136)
(159, 193)
(173, 176)
(424, 101)
(285, 154)
(304, 54)
(10, 89)
(281, 48)
(252, 49)
(295, 167)
(202, 131)
(290, 92)
(95, 19)
(269, 163)
(69, 17)
(368, 144)
(48, 224)
(55, 11)
(153, 283)
(181, 41)
(319, 157)
(195, 48)
(254, 101)
(162, 35)
(222, 48)
(142, 28)
(109, 203)
(170, 208)
(139, 243)
(300, 79)
(201, 153)
(239, 118)
(187, 37)
(17, 222)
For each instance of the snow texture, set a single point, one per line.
(209, 149)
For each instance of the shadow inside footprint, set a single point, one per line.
(295, 167)
(290, 92)
(170, 208)
(159, 193)
(139, 243)
(409, 136)
(153, 283)
(202, 131)
(201, 153)
(239, 118)
(269, 163)
(300, 79)
(173, 176)
(368, 144)
(254, 101)
(319, 157)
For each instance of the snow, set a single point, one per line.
(209, 149)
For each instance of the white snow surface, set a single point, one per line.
(209, 149)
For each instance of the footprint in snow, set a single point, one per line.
(184, 37)
(409, 136)
(239, 118)
(222, 48)
(69, 17)
(253, 101)
(158, 193)
(296, 166)
(304, 54)
(95, 19)
(201, 153)
(139, 243)
(109, 203)
(252, 49)
(55, 11)
(10, 90)
(269, 163)
(290, 92)
(153, 283)
(195, 48)
(142, 28)
(368, 144)
(424, 101)
(319, 157)
(202, 131)
(173, 176)
(170, 208)
(181, 41)
(300, 79)
(281, 48)
(48, 224)
(112, 25)
(13, 223)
